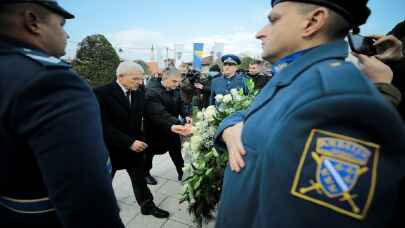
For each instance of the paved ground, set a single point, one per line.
(166, 193)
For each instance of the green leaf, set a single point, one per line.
(209, 171)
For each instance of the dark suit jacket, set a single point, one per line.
(122, 123)
(154, 83)
(161, 112)
(260, 80)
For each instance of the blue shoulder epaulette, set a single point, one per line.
(42, 58)
(342, 72)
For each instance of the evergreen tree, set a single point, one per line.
(96, 60)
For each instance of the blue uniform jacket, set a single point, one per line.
(324, 149)
(53, 158)
(223, 85)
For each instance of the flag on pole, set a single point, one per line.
(198, 56)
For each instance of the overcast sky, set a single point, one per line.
(136, 25)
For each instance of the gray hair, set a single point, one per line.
(169, 73)
(128, 66)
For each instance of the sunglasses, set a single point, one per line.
(229, 64)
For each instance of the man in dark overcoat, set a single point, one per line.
(122, 105)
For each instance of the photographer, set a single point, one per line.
(386, 71)
(196, 86)
(384, 68)
(398, 64)
(191, 88)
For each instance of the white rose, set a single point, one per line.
(198, 126)
(211, 131)
(199, 115)
(218, 98)
(195, 142)
(212, 108)
(234, 92)
(237, 97)
(210, 113)
(227, 98)
(186, 145)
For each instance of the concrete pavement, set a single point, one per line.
(166, 194)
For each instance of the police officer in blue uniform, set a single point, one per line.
(54, 165)
(229, 79)
(319, 146)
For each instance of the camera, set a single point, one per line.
(362, 45)
(193, 76)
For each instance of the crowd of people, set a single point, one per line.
(323, 138)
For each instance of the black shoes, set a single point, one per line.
(150, 180)
(151, 209)
(180, 174)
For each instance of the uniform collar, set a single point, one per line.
(285, 61)
(11, 43)
(256, 75)
(230, 78)
(333, 50)
(213, 74)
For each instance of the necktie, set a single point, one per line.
(128, 94)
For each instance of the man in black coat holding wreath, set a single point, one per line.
(165, 120)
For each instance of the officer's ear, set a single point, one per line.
(316, 22)
(32, 22)
(35, 18)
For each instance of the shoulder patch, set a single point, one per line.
(42, 58)
(337, 172)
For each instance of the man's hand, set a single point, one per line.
(232, 137)
(184, 130)
(198, 85)
(177, 128)
(188, 130)
(389, 48)
(374, 69)
(189, 120)
(138, 146)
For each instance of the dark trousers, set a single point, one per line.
(175, 155)
(141, 191)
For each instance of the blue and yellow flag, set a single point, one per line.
(198, 56)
